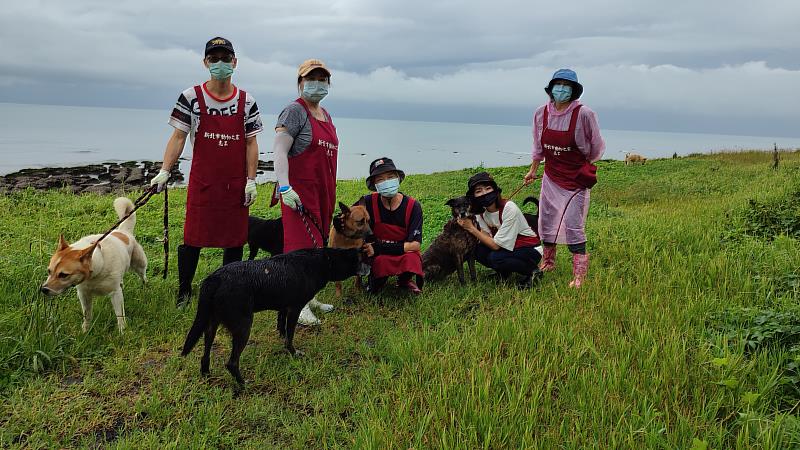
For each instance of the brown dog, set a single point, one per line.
(349, 230)
(632, 158)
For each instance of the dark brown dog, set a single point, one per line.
(452, 247)
(349, 230)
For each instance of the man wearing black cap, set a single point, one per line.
(506, 243)
(222, 122)
(396, 222)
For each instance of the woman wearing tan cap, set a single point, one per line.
(305, 154)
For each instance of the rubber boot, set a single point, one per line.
(187, 265)
(307, 317)
(548, 263)
(580, 266)
(324, 307)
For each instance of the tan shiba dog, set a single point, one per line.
(97, 268)
(349, 230)
(632, 158)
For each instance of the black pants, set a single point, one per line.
(188, 257)
(523, 260)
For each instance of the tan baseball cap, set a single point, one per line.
(311, 64)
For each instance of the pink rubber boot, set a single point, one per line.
(580, 266)
(548, 263)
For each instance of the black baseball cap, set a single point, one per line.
(219, 43)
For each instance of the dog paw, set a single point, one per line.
(298, 354)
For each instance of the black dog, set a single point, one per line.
(532, 219)
(452, 247)
(283, 283)
(265, 234)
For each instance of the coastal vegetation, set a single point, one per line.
(686, 334)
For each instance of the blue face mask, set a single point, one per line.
(388, 188)
(561, 93)
(220, 70)
(315, 91)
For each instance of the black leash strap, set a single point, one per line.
(166, 232)
(305, 214)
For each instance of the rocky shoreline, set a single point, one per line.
(102, 178)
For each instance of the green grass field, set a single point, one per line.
(656, 351)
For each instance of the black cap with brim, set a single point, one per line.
(219, 43)
(379, 166)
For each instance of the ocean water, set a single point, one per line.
(53, 136)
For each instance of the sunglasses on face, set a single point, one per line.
(214, 59)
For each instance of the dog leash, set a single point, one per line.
(515, 191)
(166, 232)
(136, 205)
(303, 214)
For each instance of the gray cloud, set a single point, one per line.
(683, 63)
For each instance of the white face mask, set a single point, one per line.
(314, 90)
(388, 188)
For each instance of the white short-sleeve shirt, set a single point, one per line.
(514, 224)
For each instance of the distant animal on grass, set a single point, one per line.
(264, 234)
(631, 158)
(452, 247)
(97, 268)
(348, 230)
(285, 283)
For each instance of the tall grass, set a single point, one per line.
(629, 361)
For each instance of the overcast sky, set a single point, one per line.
(702, 66)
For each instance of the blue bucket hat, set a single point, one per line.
(569, 75)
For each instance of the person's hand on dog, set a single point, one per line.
(250, 192)
(290, 197)
(466, 223)
(160, 180)
(369, 250)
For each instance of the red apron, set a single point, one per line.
(215, 211)
(563, 162)
(521, 241)
(312, 174)
(388, 265)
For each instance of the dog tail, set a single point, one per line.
(531, 199)
(123, 205)
(204, 303)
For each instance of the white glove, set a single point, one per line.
(290, 197)
(160, 180)
(250, 192)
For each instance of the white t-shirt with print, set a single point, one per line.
(186, 114)
(514, 224)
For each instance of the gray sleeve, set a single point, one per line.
(293, 118)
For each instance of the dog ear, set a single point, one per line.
(344, 208)
(62, 243)
(450, 202)
(86, 254)
(338, 225)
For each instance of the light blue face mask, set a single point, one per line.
(388, 188)
(220, 70)
(315, 91)
(561, 93)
